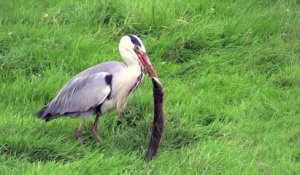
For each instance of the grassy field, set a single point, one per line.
(230, 70)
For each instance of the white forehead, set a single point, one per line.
(132, 40)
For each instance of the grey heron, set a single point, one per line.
(101, 88)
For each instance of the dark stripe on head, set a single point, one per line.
(134, 40)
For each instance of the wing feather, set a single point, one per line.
(80, 94)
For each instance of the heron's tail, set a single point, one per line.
(41, 114)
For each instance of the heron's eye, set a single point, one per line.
(136, 48)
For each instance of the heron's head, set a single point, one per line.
(133, 51)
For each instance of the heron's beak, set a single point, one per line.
(146, 63)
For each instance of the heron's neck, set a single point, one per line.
(125, 82)
(133, 72)
(133, 65)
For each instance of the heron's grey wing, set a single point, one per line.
(81, 94)
(109, 67)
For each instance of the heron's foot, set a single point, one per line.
(121, 114)
(96, 135)
(79, 137)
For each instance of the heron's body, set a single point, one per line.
(96, 90)
(101, 88)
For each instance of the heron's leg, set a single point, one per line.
(94, 129)
(79, 131)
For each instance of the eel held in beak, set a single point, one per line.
(158, 121)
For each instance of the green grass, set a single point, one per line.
(230, 71)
